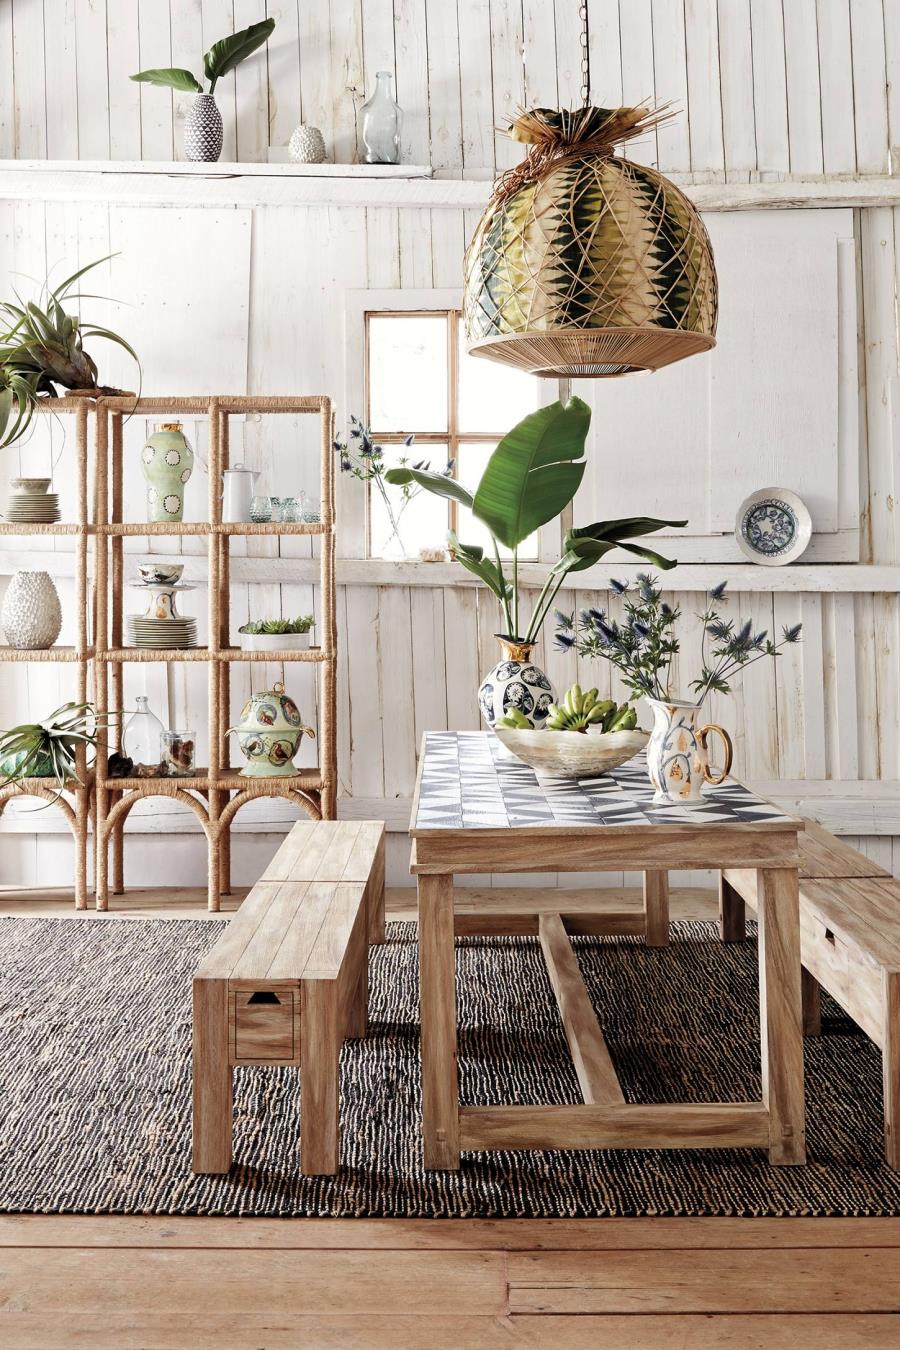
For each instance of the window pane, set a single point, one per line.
(493, 397)
(422, 518)
(408, 372)
(470, 467)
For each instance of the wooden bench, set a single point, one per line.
(849, 945)
(287, 983)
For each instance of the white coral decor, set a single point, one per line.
(31, 616)
(307, 145)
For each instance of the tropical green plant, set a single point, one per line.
(42, 347)
(48, 749)
(529, 479)
(278, 626)
(222, 57)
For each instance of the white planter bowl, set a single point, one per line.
(274, 642)
(571, 754)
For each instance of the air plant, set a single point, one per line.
(642, 645)
(359, 456)
(42, 348)
(48, 749)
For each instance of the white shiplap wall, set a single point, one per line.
(775, 86)
(769, 89)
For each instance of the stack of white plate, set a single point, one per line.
(29, 502)
(161, 633)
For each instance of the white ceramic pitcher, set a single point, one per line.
(237, 493)
(678, 754)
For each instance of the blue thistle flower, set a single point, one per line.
(564, 641)
(620, 587)
(792, 634)
(563, 620)
(718, 592)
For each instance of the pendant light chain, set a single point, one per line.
(585, 56)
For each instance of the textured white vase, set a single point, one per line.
(31, 616)
(307, 145)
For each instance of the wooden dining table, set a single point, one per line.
(478, 810)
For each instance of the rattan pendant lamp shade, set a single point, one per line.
(584, 263)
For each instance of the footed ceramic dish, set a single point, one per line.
(572, 754)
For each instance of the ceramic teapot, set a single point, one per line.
(269, 733)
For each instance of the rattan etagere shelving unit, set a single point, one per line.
(75, 800)
(216, 792)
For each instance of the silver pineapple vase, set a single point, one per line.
(203, 130)
(31, 616)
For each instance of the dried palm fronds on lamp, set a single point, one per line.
(584, 263)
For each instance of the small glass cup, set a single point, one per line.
(275, 508)
(177, 753)
(260, 509)
(311, 512)
(291, 509)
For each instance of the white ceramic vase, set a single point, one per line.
(678, 753)
(516, 682)
(31, 616)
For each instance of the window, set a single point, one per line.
(421, 382)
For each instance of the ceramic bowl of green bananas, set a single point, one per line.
(584, 736)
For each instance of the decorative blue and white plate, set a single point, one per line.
(773, 527)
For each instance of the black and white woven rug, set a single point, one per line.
(95, 1085)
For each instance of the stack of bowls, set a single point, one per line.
(30, 503)
(161, 627)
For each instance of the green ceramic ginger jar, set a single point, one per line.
(168, 461)
(269, 733)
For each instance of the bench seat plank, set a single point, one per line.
(219, 962)
(824, 855)
(327, 850)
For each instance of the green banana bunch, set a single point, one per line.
(580, 709)
(514, 721)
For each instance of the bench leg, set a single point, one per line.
(375, 897)
(212, 1078)
(358, 1011)
(732, 927)
(656, 909)
(891, 1065)
(812, 1004)
(320, 1050)
(780, 1014)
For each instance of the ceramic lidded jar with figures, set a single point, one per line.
(168, 462)
(269, 734)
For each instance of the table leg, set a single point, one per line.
(656, 909)
(437, 994)
(732, 926)
(212, 1078)
(781, 1025)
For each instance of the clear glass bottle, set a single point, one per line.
(379, 125)
(142, 739)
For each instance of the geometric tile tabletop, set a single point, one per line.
(470, 782)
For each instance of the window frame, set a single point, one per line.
(361, 307)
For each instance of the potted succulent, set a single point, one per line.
(203, 124)
(42, 351)
(642, 646)
(529, 479)
(276, 635)
(48, 749)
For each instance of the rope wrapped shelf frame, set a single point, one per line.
(217, 792)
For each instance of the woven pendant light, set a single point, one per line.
(584, 263)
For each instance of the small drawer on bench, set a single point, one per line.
(263, 1025)
(824, 953)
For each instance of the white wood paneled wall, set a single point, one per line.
(770, 86)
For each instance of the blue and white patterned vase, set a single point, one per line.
(516, 682)
(203, 131)
(678, 753)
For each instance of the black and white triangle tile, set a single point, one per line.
(469, 781)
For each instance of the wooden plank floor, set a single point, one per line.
(108, 1283)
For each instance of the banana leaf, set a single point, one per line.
(436, 483)
(224, 55)
(623, 528)
(473, 560)
(174, 78)
(534, 473)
